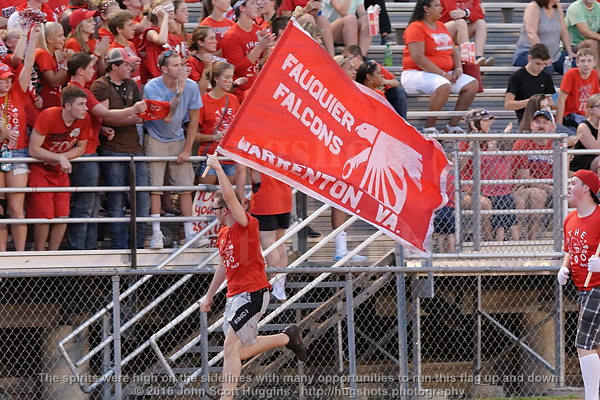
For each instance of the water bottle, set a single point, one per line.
(5, 153)
(388, 56)
(567, 65)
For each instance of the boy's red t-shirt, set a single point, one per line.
(236, 45)
(46, 62)
(94, 141)
(150, 52)
(15, 114)
(239, 247)
(220, 27)
(578, 90)
(105, 32)
(59, 138)
(438, 45)
(581, 241)
(211, 114)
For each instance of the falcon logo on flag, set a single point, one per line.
(307, 124)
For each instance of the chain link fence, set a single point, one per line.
(375, 333)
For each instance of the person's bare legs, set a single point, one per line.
(437, 101)
(465, 99)
(364, 36)
(15, 209)
(486, 219)
(185, 203)
(324, 24)
(458, 29)
(514, 233)
(40, 235)
(451, 242)
(57, 232)
(3, 227)
(478, 31)
(276, 259)
(338, 217)
(345, 30)
(520, 204)
(536, 201)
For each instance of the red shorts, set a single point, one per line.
(47, 205)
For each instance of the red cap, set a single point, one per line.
(79, 15)
(5, 71)
(591, 180)
(155, 110)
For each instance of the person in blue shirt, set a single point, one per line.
(167, 137)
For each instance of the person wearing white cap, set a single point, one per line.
(582, 236)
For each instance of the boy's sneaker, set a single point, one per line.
(311, 233)
(157, 241)
(386, 39)
(480, 61)
(357, 257)
(490, 61)
(295, 344)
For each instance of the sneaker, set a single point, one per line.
(430, 131)
(356, 257)
(157, 241)
(490, 61)
(311, 233)
(480, 61)
(386, 39)
(198, 243)
(295, 344)
(454, 129)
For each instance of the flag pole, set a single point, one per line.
(207, 167)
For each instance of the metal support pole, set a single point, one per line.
(457, 206)
(477, 363)
(476, 197)
(117, 338)
(556, 194)
(559, 335)
(302, 213)
(416, 336)
(351, 338)
(402, 333)
(133, 213)
(106, 387)
(204, 352)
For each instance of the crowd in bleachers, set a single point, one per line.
(78, 79)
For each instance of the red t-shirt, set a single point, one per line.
(581, 241)
(236, 45)
(495, 168)
(220, 27)
(60, 138)
(17, 116)
(239, 247)
(105, 32)
(210, 116)
(290, 5)
(49, 10)
(73, 44)
(578, 90)
(132, 51)
(8, 7)
(150, 52)
(474, 7)
(438, 45)
(450, 190)
(93, 141)
(46, 62)
(197, 67)
(273, 197)
(539, 165)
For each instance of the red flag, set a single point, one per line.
(306, 123)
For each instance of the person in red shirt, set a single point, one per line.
(52, 71)
(106, 8)
(444, 224)
(181, 17)
(65, 15)
(7, 8)
(247, 286)
(82, 38)
(244, 43)
(464, 20)
(215, 11)
(433, 66)
(577, 86)
(42, 5)
(217, 112)
(582, 236)
(59, 135)
(13, 129)
(535, 167)
(203, 45)
(311, 12)
(121, 26)
(81, 68)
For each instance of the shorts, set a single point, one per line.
(47, 205)
(177, 174)
(505, 202)
(444, 222)
(273, 222)
(242, 313)
(427, 82)
(228, 168)
(19, 168)
(588, 327)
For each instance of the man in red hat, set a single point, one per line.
(582, 236)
